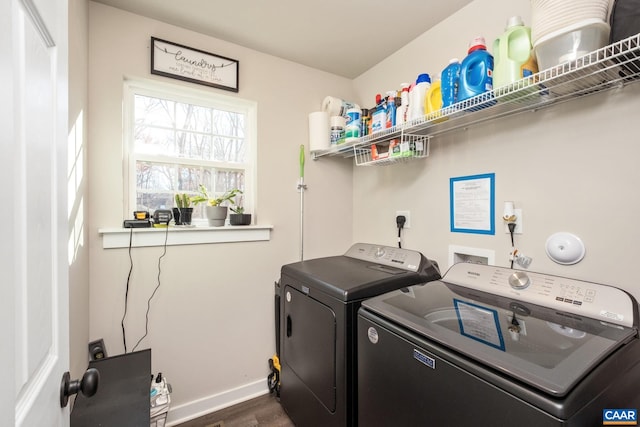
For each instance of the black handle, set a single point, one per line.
(288, 326)
(88, 385)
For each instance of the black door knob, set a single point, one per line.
(88, 385)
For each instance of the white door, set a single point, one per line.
(34, 312)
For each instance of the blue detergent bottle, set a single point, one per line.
(476, 71)
(449, 81)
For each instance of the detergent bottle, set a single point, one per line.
(402, 113)
(417, 96)
(391, 109)
(378, 116)
(476, 71)
(512, 53)
(450, 79)
(433, 101)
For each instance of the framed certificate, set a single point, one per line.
(472, 204)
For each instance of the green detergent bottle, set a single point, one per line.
(512, 54)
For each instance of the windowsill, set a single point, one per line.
(143, 237)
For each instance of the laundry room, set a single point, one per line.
(544, 184)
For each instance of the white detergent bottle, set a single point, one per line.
(418, 95)
(402, 114)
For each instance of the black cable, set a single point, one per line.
(512, 228)
(126, 293)
(400, 221)
(146, 325)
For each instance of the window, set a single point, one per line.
(178, 138)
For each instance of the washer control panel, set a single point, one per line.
(404, 259)
(588, 299)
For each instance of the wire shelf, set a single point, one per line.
(405, 148)
(610, 67)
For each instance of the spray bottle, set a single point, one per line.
(390, 109)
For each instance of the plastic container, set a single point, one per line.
(570, 43)
(378, 116)
(450, 79)
(352, 128)
(402, 113)
(390, 110)
(417, 96)
(337, 129)
(513, 54)
(433, 100)
(551, 16)
(476, 71)
(365, 122)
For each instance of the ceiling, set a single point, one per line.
(343, 37)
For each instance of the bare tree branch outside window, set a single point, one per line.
(179, 146)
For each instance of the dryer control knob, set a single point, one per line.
(519, 280)
(379, 252)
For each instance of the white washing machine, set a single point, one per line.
(492, 346)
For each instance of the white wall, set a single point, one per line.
(211, 326)
(572, 167)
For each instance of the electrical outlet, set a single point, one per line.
(97, 350)
(407, 215)
(518, 229)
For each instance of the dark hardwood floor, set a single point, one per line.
(262, 411)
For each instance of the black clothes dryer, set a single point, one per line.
(319, 301)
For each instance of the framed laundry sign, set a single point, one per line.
(193, 65)
(472, 204)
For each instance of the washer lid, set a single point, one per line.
(546, 348)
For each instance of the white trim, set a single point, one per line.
(144, 237)
(153, 88)
(189, 411)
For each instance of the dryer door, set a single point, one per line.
(309, 344)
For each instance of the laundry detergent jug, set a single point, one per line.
(512, 54)
(476, 71)
(450, 79)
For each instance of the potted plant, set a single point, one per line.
(238, 217)
(183, 212)
(215, 212)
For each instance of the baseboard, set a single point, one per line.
(198, 408)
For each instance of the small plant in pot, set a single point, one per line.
(215, 212)
(238, 217)
(183, 212)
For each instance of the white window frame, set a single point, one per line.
(207, 98)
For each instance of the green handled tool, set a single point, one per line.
(301, 188)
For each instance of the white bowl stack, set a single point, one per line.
(580, 24)
(551, 16)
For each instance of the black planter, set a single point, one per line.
(239, 219)
(185, 216)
